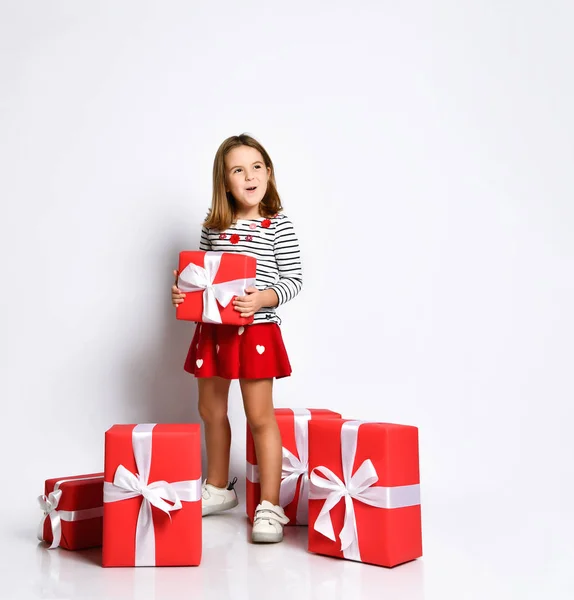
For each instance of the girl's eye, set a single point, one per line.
(237, 170)
(257, 166)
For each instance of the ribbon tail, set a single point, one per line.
(349, 533)
(210, 310)
(56, 523)
(288, 489)
(352, 551)
(145, 537)
(324, 524)
(303, 504)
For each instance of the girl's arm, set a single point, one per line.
(288, 257)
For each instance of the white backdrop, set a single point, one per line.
(424, 152)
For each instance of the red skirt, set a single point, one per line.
(231, 352)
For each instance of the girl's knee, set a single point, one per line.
(260, 422)
(212, 413)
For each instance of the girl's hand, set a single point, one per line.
(248, 305)
(177, 295)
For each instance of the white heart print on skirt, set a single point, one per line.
(260, 349)
(241, 330)
(217, 348)
(199, 362)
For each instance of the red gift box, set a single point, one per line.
(374, 469)
(152, 495)
(73, 510)
(211, 280)
(294, 477)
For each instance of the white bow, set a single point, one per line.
(353, 487)
(49, 504)
(195, 278)
(130, 485)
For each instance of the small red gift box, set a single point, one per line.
(73, 510)
(211, 280)
(364, 496)
(152, 495)
(294, 477)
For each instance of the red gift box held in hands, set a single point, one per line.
(73, 510)
(152, 495)
(364, 496)
(293, 496)
(210, 281)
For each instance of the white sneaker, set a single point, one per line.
(214, 499)
(268, 523)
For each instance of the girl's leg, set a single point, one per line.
(213, 395)
(258, 403)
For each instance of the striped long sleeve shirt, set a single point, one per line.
(274, 244)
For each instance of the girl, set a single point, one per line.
(246, 217)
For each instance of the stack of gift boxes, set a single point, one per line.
(354, 484)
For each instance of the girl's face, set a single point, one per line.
(246, 178)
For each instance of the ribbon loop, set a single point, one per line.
(50, 502)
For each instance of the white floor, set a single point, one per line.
(471, 551)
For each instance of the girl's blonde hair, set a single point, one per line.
(223, 210)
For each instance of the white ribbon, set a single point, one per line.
(195, 278)
(49, 504)
(251, 472)
(354, 487)
(161, 494)
(293, 468)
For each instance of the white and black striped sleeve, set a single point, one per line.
(288, 258)
(204, 243)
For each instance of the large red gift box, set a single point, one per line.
(210, 281)
(152, 495)
(364, 496)
(294, 480)
(73, 510)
